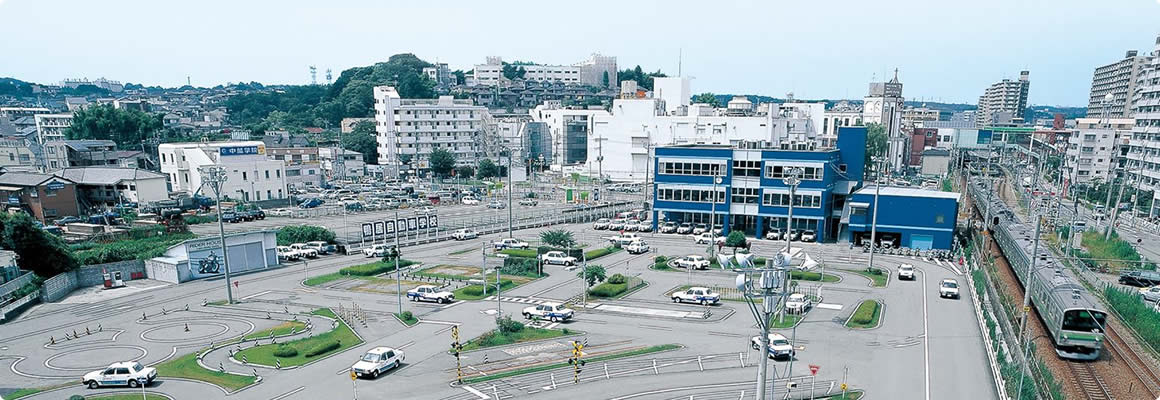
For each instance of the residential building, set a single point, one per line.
(51, 127)
(883, 105)
(250, 175)
(1119, 79)
(841, 114)
(13, 113)
(915, 115)
(935, 162)
(44, 197)
(913, 218)
(921, 139)
(1004, 102)
(439, 73)
(112, 86)
(568, 129)
(16, 156)
(303, 165)
(1092, 151)
(590, 72)
(347, 124)
(342, 164)
(752, 196)
(82, 153)
(1143, 164)
(410, 129)
(102, 187)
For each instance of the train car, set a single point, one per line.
(1071, 314)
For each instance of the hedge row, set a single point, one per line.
(323, 348)
(864, 315)
(374, 268)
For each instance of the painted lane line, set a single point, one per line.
(256, 295)
(476, 392)
(288, 394)
(829, 306)
(925, 338)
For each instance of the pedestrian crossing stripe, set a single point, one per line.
(523, 300)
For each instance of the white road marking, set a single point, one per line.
(476, 392)
(829, 306)
(255, 295)
(925, 338)
(288, 394)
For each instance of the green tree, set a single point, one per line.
(875, 143)
(593, 274)
(735, 239)
(487, 169)
(362, 140)
(640, 77)
(39, 251)
(441, 162)
(604, 79)
(460, 77)
(128, 128)
(464, 172)
(707, 98)
(302, 234)
(406, 159)
(558, 238)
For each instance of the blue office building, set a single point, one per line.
(751, 195)
(907, 217)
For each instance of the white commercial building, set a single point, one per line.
(883, 106)
(414, 128)
(569, 129)
(675, 92)
(1143, 158)
(352, 163)
(841, 114)
(589, 72)
(250, 174)
(50, 127)
(1092, 148)
(114, 186)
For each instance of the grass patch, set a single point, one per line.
(615, 286)
(813, 276)
(851, 395)
(1136, 313)
(282, 329)
(375, 268)
(526, 253)
(31, 391)
(221, 302)
(459, 252)
(776, 322)
(476, 292)
(496, 338)
(139, 244)
(661, 263)
(187, 367)
(877, 276)
(1117, 249)
(866, 315)
(308, 349)
(601, 252)
(407, 317)
(148, 396)
(606, 357)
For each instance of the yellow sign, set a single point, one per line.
(843, 386)
(455, 332)
(353, 375)
(1026, 308)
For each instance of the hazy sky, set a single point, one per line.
(945, 50)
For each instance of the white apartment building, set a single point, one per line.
(51, 127)
(1119, 79)
(588, 72)
(841, 114)
(569, 130)
(1092, 148)
(416, 127)
(251, 176)
(1004, 102)
(352, 165)
(1143, 158)
(916, 115)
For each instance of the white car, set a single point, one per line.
(130, 373)
(623, 239)
(906, 271)
(464, 234)
(1151, 294)
(643, 226)
(280, 212)
(773, 235)
(706, 238)
(430, 293)
(558, 257)
(378, 250)
(668, 227)
(304, 250)
(948, 288)
(469, 201)
(321, 247)
(779, 346)
(629, 225)
(636, 247)
(700, 228)
(616, 225)
(809, 236)
(377, 361)
(701, 295)
(600, 224)
(692, 261)
(425, 210)
(685, 228)
(554, 312)
(798, 303)
(510, 243)
(286, 253)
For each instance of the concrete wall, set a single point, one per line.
(59, 286)
(17, 283)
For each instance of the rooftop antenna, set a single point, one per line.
(328, 76)
(187, 81)
(313, 75)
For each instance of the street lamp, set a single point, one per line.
(214, 176)
(713, 215)
(874, 218)
(772, 284)
(792, 180)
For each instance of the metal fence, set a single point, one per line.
(19, 282)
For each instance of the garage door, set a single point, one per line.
(923, 242)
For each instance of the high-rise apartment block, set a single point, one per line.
(1005, 102)
(408, 130)
(1143, 157)
(1119, 79)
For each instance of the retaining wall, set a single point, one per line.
(59, 286)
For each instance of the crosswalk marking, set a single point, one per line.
(523, 300)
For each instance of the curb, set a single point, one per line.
(881, 317)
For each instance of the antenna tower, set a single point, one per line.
(313, 75)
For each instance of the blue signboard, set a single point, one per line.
(54, 185)
(241, 150)
(13, 200)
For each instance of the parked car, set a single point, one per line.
(281, 212)
(629, 225)
(906, 271)
(321, 247)
(376, 361)
(310, 203)
(558, 257)
(529, 202)
(798, 303)
(685, 228)
(644, 226)
(692, 261)
(286, 253)
(809, 236)
(700, 228)
(636, 247)
(129, 373)
(697, 294)
(948, 288)
(616, 225)
(256, 214)
(1151, 294)
(304, 250)
(779, 346)
(600, 224)
(430, 293)
(464, 234)
(706, 238)
(668, 227)
(378, 250)
(67, 220)
(773, 234)
(510, 243)
(231, 217)
(469, 201)
(498, 205)
(554, 312)
(1140, 278)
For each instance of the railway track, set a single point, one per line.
(1088, 382)
(1143, 370)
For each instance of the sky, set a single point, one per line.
(945, 51)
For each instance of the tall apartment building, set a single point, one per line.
(1004, 102)
(1143, 158)
(51, 127)
(883, 106)
(1092, 150)
(588, 72)
(250, 174)
(413, 128)
(1119, 79)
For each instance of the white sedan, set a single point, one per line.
(430, 293)
(702, 295)
(692, 261)
(131, 374)
(798, 303)
(1151, 294)
(779, 346)
(464, 234)
(706, 238)
(377, 361)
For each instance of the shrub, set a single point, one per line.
(76, 397)
(285, 351)
(323, 348)
(141, 248)
(374, 268)
(303, 233)
(1137, 313)
(529, 253)
(521, 266)
(660, 259)
(735, 239)
(608, 290)
(594, 254)
(558, 238)
(864, 315)
(507, 325)
(407, 315)
(617, 279)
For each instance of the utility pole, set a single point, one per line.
(713, 216)
(874, 218)
(215, 176)
(398, 274)
(792, 181)
(510, 190)
(772, 282)
(1027, 301)
(1115, 210)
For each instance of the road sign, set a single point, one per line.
(353, 375)
(380, 228)
(843, 387)
(368, 229)
(814, 369)
(1026, 308)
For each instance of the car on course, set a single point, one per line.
(906, 271)
(692, 261)
(510, 243)
(554, 312)
(469, 201)
(377, 361)
(430, 293)
(600, 224)
(697, 294)
(464, 234)
(948, 288)
(287, 253)
(1151, 294)
(668, 227)
(779, 346)
(809, 236)
(378, 250)
(623, 239)
(636, 247)
(529, 202)
(685, 228)
(321, 247)
(706, 238)
(798, 303)
(304, 250)
(558, 257)
(425, 210)
(129, 373)
(497, 205)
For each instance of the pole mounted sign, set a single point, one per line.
(388, 227)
